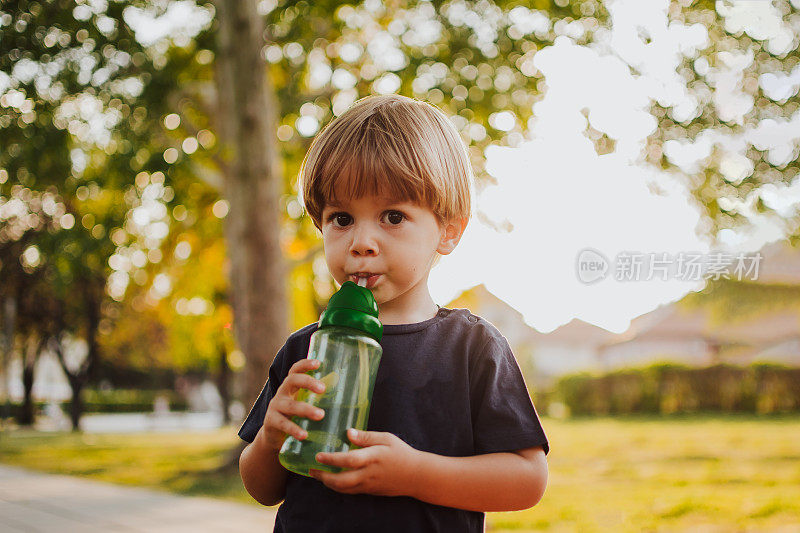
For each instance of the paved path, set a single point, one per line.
(33, 502)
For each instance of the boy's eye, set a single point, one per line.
(395, 217)
(343, 219)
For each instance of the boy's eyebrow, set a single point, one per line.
(332, 204)
(385, 201)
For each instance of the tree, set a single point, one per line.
(72, 65)
(750, 151)
(26, 287)
(473, 59)
(247, 117)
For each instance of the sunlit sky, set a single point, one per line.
(561, 196)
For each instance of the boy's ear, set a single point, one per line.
(452, 230)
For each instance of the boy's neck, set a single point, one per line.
(390, 314)
(388, 319)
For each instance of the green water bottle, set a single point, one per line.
(347, 346)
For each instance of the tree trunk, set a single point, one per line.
(247, 111)
(93, 294)
(30, 354)
(76, 405)
(223, 384)
(26, 415)
(76, 382)
(9, 323)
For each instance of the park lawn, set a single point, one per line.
(691, 473)
(184, 463)
(605, 474)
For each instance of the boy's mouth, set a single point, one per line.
(371, 278)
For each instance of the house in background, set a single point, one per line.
(669, 332)
(691, 336)
(542, 357)
(568, 349)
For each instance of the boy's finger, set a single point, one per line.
(285, 425)
(304, 365)
(303, 381)
(346, 482)
(351, 459)
(302, 409)
(369, 438)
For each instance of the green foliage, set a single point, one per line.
(84, 65)
(709, 183)
(732, 300)
(130, 401)
(667, 388)
(119, 401)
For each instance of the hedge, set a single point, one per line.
(117, 401)
(666, 388)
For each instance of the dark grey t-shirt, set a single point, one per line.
(449, 385)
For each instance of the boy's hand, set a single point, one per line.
(384, 466)
(283, 406)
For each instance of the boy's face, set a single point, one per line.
(394, 241)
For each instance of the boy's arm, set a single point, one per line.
(507, 481)
(385, 465)
(263, 476)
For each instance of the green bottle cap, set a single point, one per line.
(353, 307)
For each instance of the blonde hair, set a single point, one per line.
(390, 145)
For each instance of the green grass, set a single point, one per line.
(704, 473)
(177, 462)
(678, 474)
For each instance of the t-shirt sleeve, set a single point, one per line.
(503, 416)
(255, 419)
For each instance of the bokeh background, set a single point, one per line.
(155, 253)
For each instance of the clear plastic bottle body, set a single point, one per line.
(349, 365)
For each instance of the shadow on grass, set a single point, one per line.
(220, 481)
(210, 483)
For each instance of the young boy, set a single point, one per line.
(452, 432)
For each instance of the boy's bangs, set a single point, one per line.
(391, 147)
(375, 169)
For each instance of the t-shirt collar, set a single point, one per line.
(397, 329)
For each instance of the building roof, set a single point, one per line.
(780, 263)
(688, 324)
(577, 332)
(508, 319)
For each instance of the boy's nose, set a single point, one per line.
(363, 248)
(363, 243)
